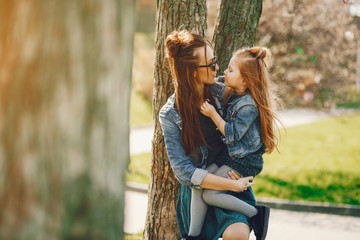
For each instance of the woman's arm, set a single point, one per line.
(181, 164)
(214, 182)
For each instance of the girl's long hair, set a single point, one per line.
(180, 49)
(253, 70)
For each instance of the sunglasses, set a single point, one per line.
(213, 65)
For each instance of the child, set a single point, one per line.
(248, 132)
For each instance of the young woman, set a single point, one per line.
(192, 140)
(248, 131)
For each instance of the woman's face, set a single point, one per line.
(206, 75)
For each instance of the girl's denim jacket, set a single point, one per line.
(185, 168)
(242, 128)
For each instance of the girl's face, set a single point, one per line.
(233, 77)
(206, 75)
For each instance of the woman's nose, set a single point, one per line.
(217, 67)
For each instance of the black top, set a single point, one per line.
(213, 139)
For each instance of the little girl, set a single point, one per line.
(248, 131)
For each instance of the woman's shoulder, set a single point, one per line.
(169, 105)
(217, 90)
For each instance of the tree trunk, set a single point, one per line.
(64, 105)
(161, 216)
(236, 27)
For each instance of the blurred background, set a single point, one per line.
(314, 45)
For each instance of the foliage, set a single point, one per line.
(142, 74)
(314, 50)
(317, 162)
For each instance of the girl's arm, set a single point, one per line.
(234, 131)
(208, 110)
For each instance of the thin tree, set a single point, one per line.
(161, 216)
(65, 70)
(236, 27)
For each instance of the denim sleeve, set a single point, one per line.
(236, 129)
(181, 164)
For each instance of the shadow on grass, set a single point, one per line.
(319, 186)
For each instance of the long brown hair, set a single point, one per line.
(253, 70)
(180, 48)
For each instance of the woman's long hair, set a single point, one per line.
(180, 48)
(253, 70)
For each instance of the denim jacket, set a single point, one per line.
(242, 128)
(185, 168)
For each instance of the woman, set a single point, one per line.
(192, 140)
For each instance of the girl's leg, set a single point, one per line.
(198, 208)
(227, 201)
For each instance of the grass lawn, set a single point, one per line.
(140, 110)
(138, 236)
(317, 162)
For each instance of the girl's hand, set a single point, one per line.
(207, 109)
(233, 175)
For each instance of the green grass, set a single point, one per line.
(139, 168)
(317, 162)
(140, 110)
(138, 236)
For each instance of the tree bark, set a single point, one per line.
(65, 70)
(161, 216)
(236, 27)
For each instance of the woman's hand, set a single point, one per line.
(242, 182)
(207, 109)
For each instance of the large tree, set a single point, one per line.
(163, 188)
(65, 70)
(191, 15)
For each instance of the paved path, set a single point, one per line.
(283, 225)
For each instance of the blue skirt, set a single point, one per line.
(216, 220)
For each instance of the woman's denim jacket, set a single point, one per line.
(242, 128)
(185, 168)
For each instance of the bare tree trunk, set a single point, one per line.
(161, 216)
(65, 70)
(235, 28)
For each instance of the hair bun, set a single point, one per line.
(176, 41)
(260, 52)
(172, 44)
